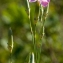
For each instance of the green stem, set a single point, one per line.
(28, 8)
(11, 57)
(10, 43)
(42, 31)
(33, 34)
(39, 13)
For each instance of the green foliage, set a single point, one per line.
(14, 14)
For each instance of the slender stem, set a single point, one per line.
(34, 40)
(42, 24)
(31, 58)
(11, 57)
(28, 8)
(39, 13)
(10, 43)
(43, 19)
(33, 36)
(47, 11)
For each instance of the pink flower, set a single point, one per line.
(44, 3)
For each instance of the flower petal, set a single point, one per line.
(32, 0)
(48, 0)
(44, 4)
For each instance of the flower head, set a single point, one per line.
(44, 3)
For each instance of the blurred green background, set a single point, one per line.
(14, 14)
